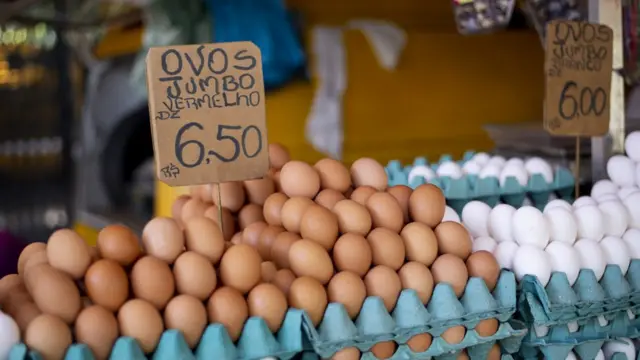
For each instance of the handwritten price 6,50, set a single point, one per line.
(586, 102)
(238, 146)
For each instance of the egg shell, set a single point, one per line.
(278, 155)
(352, 253)
(632, 238)
(591, 256)
(258, 190)
(450, 215)
(68, 252)
(10, 335)
(565, 259)
(450, 169)
(320, 225)
(194, 275)
(532, 260)
(348, 289)
(621, 170)
(416, 276)
(281, 246)
(333, 175)
(384, 282)
(427, 204)
(97, 328)
(615, 217)
(420, 243)
(328, 198)
(240, 268)
(163, 238)
(558, 203)
(36, 247)
(266, 240)
(484, 265)
(272, 210)
(539, 166)
(227, 306)
(421, 171)
(369, 172)
(119, 243)
(590, 222)
(140, 320)
(269, 303)
(622, 345)
(49, 336)
(248, 215)
(402, 194)
(454, 239)
(107, 284)
(308, 294)
(562, 225)
(499, 222)
(514, 171)
(530, 227)
(54, 292)
(308, 258)
(616, 252)
(604, 187)
(299, 179)
(352, 217)
(292, 212)
(420, 342)
(452, 270)
(204, 237)
(475, 217)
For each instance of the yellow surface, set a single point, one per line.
(88, 233)
(119, 42)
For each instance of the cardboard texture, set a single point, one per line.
(578, 70)
(207, 113)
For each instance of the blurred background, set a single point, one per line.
(421, 78)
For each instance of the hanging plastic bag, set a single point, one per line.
(482, 16)
(267, 24)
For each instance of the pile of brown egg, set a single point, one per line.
(302, 237)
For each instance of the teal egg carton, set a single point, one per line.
(310, 355)
(559, 302)
(410, 317)
(459, 192)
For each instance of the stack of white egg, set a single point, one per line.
(623, 346)
(9, 335)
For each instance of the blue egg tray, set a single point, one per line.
(459, 192)
(559, 303)
(310, 355)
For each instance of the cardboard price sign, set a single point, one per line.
(207, 111)
(578, 68)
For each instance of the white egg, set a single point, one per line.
(599, 355)
(485, 243)
(573, 326)
(590, 222)
(637, 174)
(504, 253)
(615, 216)
(515, 161)
(584, 201)
(603, 187)
(531, 260)
(481, 158)
(471, 168)
(621, 170)
(564, 258)
(591, 256)
(626, 191)
(622, 345)
(490, 171)
(558, 203)
(421, 171)
(529, 227)
(500, 219)
(632, 238)
(540, 330)
(475, 216)
(632, 203)
(562, 225)
(539, 166)
(527, 202)
(607, 197)
(616, 252)
(449, 169)
(450, 215)
(514, 171)
(9, 335)
(571, 356)
(632, 145)
(497, 160)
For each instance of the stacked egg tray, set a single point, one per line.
(579, 318)
(337, 331)
(459, 192)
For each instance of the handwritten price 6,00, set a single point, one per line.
(587, 102)
(238, 146)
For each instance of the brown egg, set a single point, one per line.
(34, 260)
(275, 176)
(384, 350)
(333, 175)
(251, 234)
(328, 198)
(272, 208)
(420, 343)
(420, 243)
(26, 253)
(416, 276)
(487, 327)
(427, 205)
(299, 179)
(280, 248)
(240, 268)
(362, 193)
(352, 217)
(201, 192)
(385, 211)
(258, 190)
(14, 299)
(463, 356)
(402, 193)
(54, 292)
(236, 239)
(231, 195)
(163, 239)
(68, 252)
(347, 289)
(453, 239)
(382, 281)
(268, 270)
(97, 328)
(352, 253)
(152, 280)
(7, 283)
(494, 353)
(194, 275)
(369, 172)
(178, 204)
(308, 294)
(140, 320)
(308, 258)
(269, 303)
(249, 214)
(24, 314)
(95, 253)
(228, 307)
(320, 225)
(483, 264)
(204, 237)
(450, 269)
(292, 211)
(49, 336)
(107, 284)
(387, 248)
(119, 243)
(454, 334)
(351, 353)
(187, 314)
(228, 223)
(283, 280)
(192, 208)
(278, 156)
(266, 240)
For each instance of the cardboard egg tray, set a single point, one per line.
(559, 303)
(459, 192)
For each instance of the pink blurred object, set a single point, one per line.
(10, 248)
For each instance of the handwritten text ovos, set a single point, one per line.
(579, 47)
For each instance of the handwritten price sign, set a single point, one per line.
(578, 67)
(206, 104)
